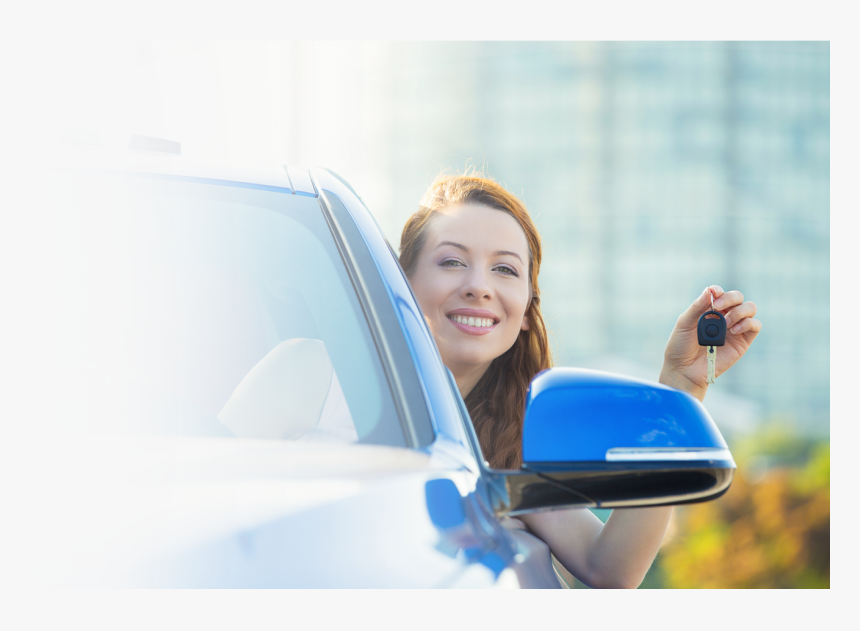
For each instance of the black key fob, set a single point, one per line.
(712, 331)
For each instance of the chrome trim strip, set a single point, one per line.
(301, 181)
(635, 454)
(287, 171)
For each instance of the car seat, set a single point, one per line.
(286, 394)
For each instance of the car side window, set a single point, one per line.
(221, 310)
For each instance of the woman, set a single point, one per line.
(472, 255)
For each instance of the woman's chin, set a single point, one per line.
(461, 360)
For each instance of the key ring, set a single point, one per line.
(711, 292)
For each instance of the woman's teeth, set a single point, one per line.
(479, 322)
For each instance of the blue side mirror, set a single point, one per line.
(577, 415)
(603, 440)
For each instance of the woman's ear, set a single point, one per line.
(525, 325)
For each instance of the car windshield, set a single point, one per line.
(201, 308)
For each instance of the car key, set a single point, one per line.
(712, 333)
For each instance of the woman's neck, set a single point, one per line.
(467, 377)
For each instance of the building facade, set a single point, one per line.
(652, 170)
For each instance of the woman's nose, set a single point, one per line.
(477, 285)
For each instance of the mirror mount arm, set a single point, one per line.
(564, 487)
(526, 491)
(499, 492)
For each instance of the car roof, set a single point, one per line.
(269, 176)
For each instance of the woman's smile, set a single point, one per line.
(473, 321)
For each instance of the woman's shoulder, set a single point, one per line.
(512, 523)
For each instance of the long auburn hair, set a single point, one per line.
(497, 402)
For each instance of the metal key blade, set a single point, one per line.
(712, 364)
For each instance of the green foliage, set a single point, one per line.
(770, 530)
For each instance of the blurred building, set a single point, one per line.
(652, 170)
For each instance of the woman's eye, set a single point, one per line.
(504, 269)
(451, 263)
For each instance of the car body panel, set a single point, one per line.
(207, 512)
(265, 176)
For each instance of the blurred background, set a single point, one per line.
(651, 169)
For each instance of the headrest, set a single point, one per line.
(283, 395)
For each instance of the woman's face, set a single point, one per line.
(472, 282)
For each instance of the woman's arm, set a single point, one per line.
(615, 555)
(619, 553)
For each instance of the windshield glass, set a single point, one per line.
(201, 309)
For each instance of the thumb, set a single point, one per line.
(700, 305)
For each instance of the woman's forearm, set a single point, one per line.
(626, 546)
(616, 554)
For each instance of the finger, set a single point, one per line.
(713, 290)
(728, 299)
(749, 327)
(737, 314)
(701, 304)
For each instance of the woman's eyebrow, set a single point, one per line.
(465, 249)
(456, 245)
(508, 252)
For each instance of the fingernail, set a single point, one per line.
(718, 303)
(736, 328)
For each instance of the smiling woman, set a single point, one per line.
(473, 255)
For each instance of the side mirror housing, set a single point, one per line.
(597, 439)
(578, 415)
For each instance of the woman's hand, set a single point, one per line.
(685, 365)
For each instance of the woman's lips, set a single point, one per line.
(472, 330)
(469, 312)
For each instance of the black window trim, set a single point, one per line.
(390, 341)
